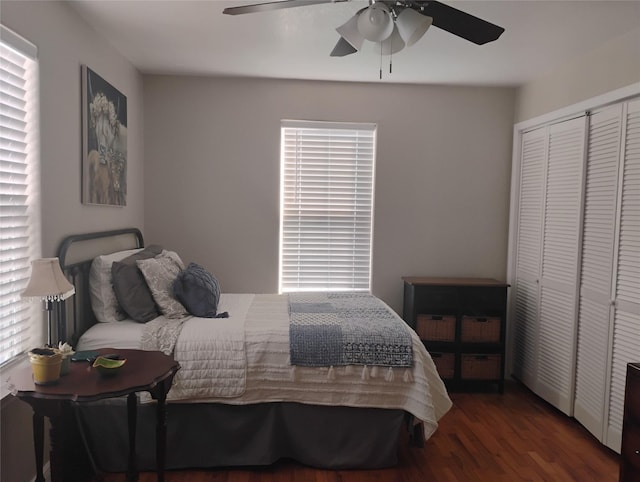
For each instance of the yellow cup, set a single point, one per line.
(46, 368)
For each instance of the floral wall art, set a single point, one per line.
(104, 126)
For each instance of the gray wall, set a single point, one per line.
(442, 183)
(65, 42)
(611, 66)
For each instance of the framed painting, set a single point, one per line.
(104, 142)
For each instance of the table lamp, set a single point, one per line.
(48, 284)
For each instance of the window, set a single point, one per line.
(19, 203)
(326, 219)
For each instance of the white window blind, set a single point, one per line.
(327, 206)
(19, 204)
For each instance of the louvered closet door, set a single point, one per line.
(598, 242)
(626, 327)
(560, 254)
(525, 289)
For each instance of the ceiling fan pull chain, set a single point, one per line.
(380, 60)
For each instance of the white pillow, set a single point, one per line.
(103, 298)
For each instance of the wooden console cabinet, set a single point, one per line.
(462, 324)
(630, 464)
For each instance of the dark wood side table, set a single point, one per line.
(462, 323)
(144, 371)
(630, 462)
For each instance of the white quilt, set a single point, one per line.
(217, 367)
(211, 353)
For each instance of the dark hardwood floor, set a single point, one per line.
(485, 437)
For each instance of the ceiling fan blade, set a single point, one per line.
(267, 6)
(460, 23)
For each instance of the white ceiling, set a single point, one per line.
(195, 38)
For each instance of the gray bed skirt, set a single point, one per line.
(216, 435)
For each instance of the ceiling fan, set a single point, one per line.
(393, 23)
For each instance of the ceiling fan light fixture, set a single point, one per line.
(350, 33)
(412, 25)
(375, 23)
(343, 48)
(393, 44)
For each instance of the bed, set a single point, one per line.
(246, 394)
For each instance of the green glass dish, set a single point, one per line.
(107, 366)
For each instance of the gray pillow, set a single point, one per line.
(159, 273)
(130, 287)
(198, 290)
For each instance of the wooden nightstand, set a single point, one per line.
(144, 371)
(461, 322)
(630, 464)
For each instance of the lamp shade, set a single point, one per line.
(375, 23)
(412, 25)
(350, 33)
(393, 44)
(47, 281)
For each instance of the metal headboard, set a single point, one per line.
(76, 253)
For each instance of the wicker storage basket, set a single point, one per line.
(436, 327)
(445, 364)
(480, 329)
(480, 367)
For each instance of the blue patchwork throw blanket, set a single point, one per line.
(327, 329)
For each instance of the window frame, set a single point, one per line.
(27, 232)
(363, 152)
